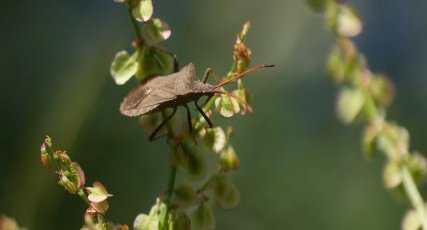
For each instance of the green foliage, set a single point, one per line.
(124, 67)
(147, 59)
(203, 217)
(364, 98)
(225, 193)
(155, 30)
(153, 220)
(142, 10)
(154, 61)
(72, 178)
(170, 212)
(227, 106)
(185, 196)
(229, 159)
(350, 104)
(214, 139)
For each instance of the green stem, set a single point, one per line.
(205, 185)
(171, 179)
(414, 195)
(135, 25)
(171, 185)
(82, 195)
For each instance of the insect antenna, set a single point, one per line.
(242, 75)
(208, 71)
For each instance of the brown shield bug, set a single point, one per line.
(171, 91)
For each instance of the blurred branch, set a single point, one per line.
(364, 98)
(135, 24)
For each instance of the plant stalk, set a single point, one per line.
(82, 195)
(135, 25)
(414, 195)
(171, 179)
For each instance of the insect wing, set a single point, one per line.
(144, 99)
(147, 97)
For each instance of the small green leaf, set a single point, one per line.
(124, 67)
(226, 194)
(228, 160)
(343, 20)
(203, 217)
(195, 165)
(349, 23)
(411, 221)
(335, 65)
(182, 221)
(382, 89)
(185, 196)
(98, 192)
(214, 139)
(152, 221)
(245, 99)
(155, 61)
(101, 207)
(417, 165)
(155, 31)
(226, 105)
(190, 161)
(391, 175)
(143, 10)
(350, 103)
(146, 222)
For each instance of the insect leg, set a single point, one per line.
(152, 136)
(190, 126)
(203, 114)
(206, 75)
(175, 63)
(207, 100)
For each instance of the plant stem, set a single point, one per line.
(135, 25)
(205, 185)
(82, 195)
(414, 195)
(171, 185)
(171, 179)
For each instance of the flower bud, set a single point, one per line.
(48, 142)
(61, 157)
(70, 186)
(46, 159)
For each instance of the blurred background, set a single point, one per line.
(300, 168)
